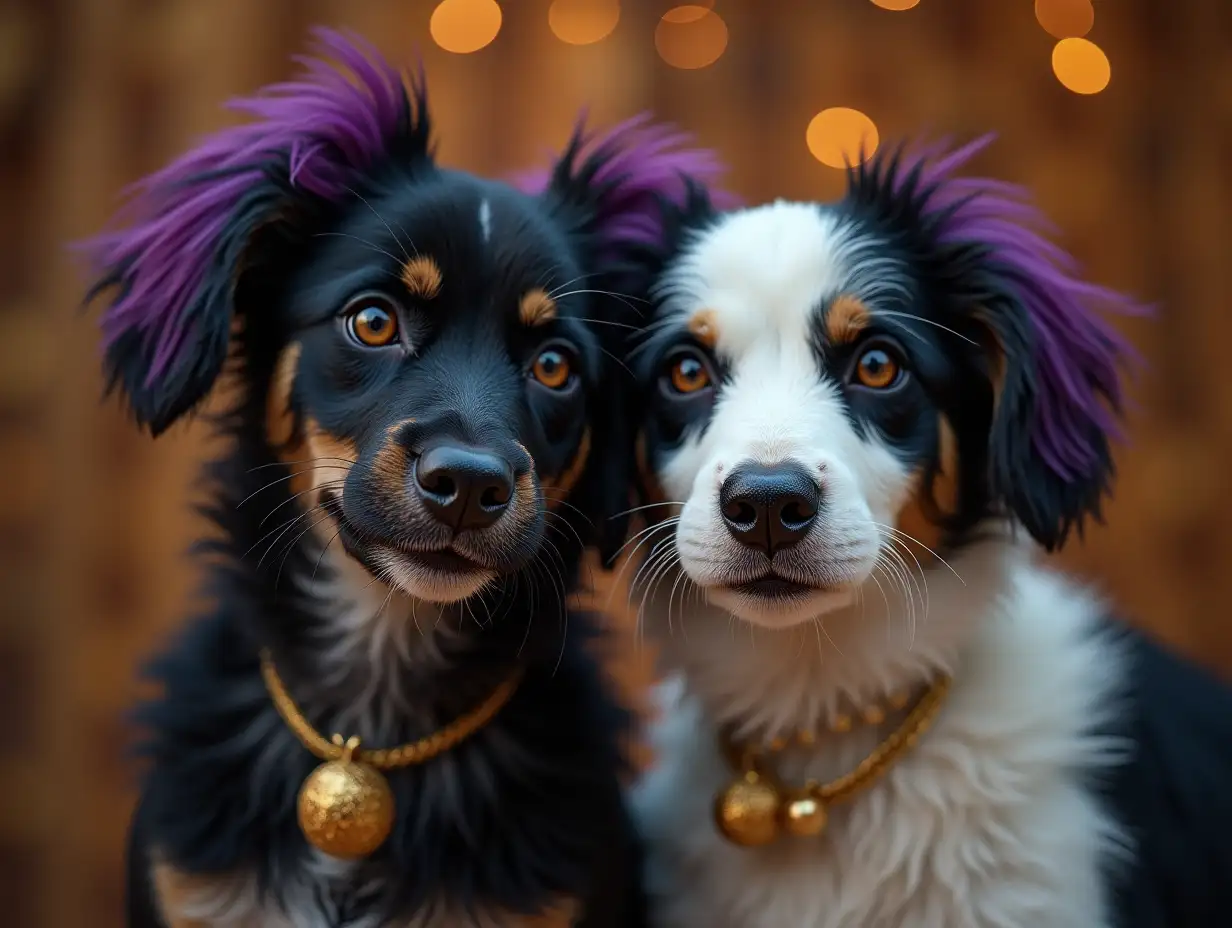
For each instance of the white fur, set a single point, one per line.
(762, 274)
(485, 220)
(986, 823)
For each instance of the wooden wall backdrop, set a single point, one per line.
(95, 92)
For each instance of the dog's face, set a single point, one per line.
(417, 345)
(830, 391)
(792, 423)
(432, 391)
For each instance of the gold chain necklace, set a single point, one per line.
(346, 808)
(755, 809)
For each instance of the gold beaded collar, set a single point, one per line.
(346, 808)
(756, 808)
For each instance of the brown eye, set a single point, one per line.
(551, 368)
(877, 370)
(373, 325)
(688, 374)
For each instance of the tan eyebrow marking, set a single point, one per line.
(702, 327)
(422, 277)
(536, 308)
(846, 319)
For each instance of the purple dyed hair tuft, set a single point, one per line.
(631, 170)
(1078, 352)
(335, 120)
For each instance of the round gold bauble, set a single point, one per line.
(346, 809)
(746, 813)
(804, 816)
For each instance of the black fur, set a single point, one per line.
(1172, 795)
(529, 809)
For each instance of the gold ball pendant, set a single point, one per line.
(747, 812)
(346, 808)
(804, 816)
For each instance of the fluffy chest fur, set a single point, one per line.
(986, 823)
(516, 826)
(235, 902)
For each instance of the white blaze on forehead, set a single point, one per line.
(485, 220)
(762, 274)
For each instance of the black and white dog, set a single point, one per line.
(415, 463)
(862, 420)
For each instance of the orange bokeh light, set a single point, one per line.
(1065, 19)
(1081, 65)
(840, 136)
(465, 26)
(896, 4)
(583, 22)
(691, 36)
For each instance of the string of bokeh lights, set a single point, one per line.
(691, 36)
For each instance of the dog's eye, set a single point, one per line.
(687, 373)
(372, 322)
(552, 369)
(877, 369)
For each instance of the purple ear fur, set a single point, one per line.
(174, 265)
(622, 178)
(1065, 356)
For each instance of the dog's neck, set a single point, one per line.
(380, 664)
(901, 632)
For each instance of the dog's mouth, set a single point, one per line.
(439, 567)
(773, 587)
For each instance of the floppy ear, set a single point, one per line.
(612, 193)
(190, 231)
(1051, 358)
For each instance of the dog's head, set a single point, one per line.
(822, 382)
(419, 344)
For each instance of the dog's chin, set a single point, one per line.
(441, 577)
(776, 603)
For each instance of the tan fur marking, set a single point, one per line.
(703, 327)
(536, 308)
(561, 915)
(389, 464)
(175, 891)
(279, 418)
(568, 478)
(926, 538)
(422, 277)
(846, 319)
(318, 459)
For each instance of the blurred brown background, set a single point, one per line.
(93, 93)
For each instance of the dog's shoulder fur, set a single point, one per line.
(1170, 797)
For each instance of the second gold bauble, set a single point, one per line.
(803, 816)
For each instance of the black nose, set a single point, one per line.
(464, 487)
(770, 508)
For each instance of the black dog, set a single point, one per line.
(416, 466)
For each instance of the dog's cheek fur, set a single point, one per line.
(935, 497)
